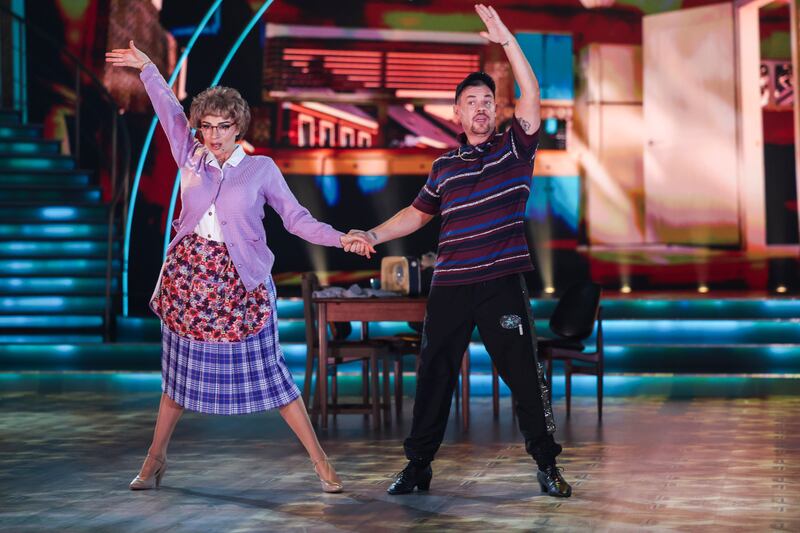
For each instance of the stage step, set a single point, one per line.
(738, 359)
(616, 332)
(651, 359)
(681, 309)
(54, 213)
(53, 231)
(27, 131)
(83, 249)
(55, 285)
(65, 338)
(84, 356)
(51, 267)
(10, 116)
(50, 304)
(59, 179)
(43, 322)
(12, 161)
(144, 329)
(663, 308)
(89, 195)
(21, 146)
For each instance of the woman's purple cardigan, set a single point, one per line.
(239, 198)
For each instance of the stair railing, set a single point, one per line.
(118, 144)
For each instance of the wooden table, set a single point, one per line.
(371, 310)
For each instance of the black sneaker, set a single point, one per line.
(412, 476)
(551, 482)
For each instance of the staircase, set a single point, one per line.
(53, 245)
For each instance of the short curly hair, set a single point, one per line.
(223, 101)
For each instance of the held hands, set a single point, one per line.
(128, 57)
(358, 242)
(496, 30)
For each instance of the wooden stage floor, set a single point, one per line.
(657, 463)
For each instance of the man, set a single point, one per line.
(480, 190)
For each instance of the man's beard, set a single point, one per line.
(478, 129)
(481, 129)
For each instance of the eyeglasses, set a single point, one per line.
(222, 128)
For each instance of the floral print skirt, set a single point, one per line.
(201, 297)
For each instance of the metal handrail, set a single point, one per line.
(118, 125)
(120, 196)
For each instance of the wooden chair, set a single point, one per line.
(400, 346)
(367, 351)
(409, 345)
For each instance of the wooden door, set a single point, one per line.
(690, 153)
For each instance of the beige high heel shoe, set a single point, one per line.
(329, 486)
(152, 482)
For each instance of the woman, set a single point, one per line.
(215, 295)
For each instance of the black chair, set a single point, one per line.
(573, 322)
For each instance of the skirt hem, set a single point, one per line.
(265, 408)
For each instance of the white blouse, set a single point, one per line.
(209, 225)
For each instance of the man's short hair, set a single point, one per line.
(474, 80)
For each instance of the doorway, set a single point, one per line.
(778, 101)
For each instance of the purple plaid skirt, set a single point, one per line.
(228, 378)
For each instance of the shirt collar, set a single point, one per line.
(462, 140)
(467, 148)
(236, 157)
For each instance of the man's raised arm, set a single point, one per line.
(527, 108)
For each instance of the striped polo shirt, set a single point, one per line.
(481, 192)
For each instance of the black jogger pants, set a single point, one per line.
(497, 308)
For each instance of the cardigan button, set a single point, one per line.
(239, 265)
(224, 222)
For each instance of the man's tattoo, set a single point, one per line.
(373, 235)
(526, 126)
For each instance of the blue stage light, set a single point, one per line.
(550, 126)
(211, 29)
(329, 185)
(372, 184)
(58, 213)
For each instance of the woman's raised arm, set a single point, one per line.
(168, 109)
